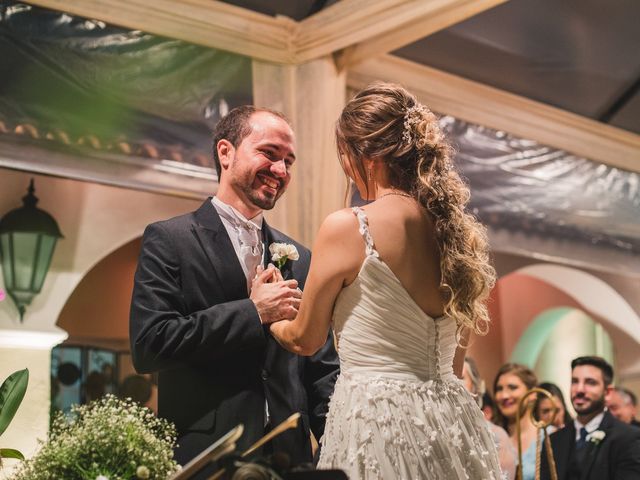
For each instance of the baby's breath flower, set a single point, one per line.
(109, 439)
(142, 472)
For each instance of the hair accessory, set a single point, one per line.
(412, 117)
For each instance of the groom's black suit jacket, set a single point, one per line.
(192, 320)
(616, 457)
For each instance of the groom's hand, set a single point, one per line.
(275, 300)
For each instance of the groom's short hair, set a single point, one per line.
(234, 127)
(598, 362)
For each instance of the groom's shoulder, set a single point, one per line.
(185, 220)
(177, 223)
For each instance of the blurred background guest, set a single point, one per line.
(476, 385)
(596, 445)
(138, 388)
(622, 404)
(544, 406)
(94, 386)
(488, 407)
(510, 385)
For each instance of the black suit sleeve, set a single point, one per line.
(321, 371)
(163, 333)
(626, 464)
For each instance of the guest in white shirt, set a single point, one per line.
(595, 446)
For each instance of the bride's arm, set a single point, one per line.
(337, 252)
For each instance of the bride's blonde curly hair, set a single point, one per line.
(384, 121)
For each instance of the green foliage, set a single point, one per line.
(11, 453)
(12, 392)
(109, 438)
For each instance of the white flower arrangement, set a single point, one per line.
(281, 252)
(596, 437)
(108, 439)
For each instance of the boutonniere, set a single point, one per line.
(596, 437)
(281, 252)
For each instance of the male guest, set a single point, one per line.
(622, 405)
(197, 318)
(596, 446)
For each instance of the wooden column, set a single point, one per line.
(312, 95)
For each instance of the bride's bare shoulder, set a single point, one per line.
(338, 245)
(340, 222)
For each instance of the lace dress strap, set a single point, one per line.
(364, 231)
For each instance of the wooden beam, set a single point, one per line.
(478, 103)
(367, 28)
(204, 22)
(372, 28)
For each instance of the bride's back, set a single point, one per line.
(404, 237)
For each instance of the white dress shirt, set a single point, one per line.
(245, 235)
(591, 426)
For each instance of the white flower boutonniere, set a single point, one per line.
(596, 437)
(281, 252)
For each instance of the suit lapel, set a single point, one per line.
(566, 447)
(214, 240)
(270, 236)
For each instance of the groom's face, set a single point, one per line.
(258, 171)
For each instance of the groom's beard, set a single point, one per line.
(595, 405)
(261, 199)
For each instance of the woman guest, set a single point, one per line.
(544, 407)
(511, 383)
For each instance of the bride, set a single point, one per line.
(402, 280)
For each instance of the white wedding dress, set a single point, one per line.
(398, 410)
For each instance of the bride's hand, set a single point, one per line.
(275, 277)
(277, 274)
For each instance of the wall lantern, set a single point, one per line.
(28, 237)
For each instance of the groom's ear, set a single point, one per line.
(226, 151)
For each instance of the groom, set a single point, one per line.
(198, 320)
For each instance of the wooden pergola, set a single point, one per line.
(304, 69)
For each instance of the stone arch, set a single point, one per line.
(561, 287)
(97, 310)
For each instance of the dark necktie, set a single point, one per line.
(582, 441)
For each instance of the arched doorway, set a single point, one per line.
(95, 359)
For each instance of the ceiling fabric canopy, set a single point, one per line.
(520, 185)
(523, 188)
(577, 55)
(80, 85)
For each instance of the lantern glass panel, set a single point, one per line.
(24, 254)
(45, 252)
(7, 256)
